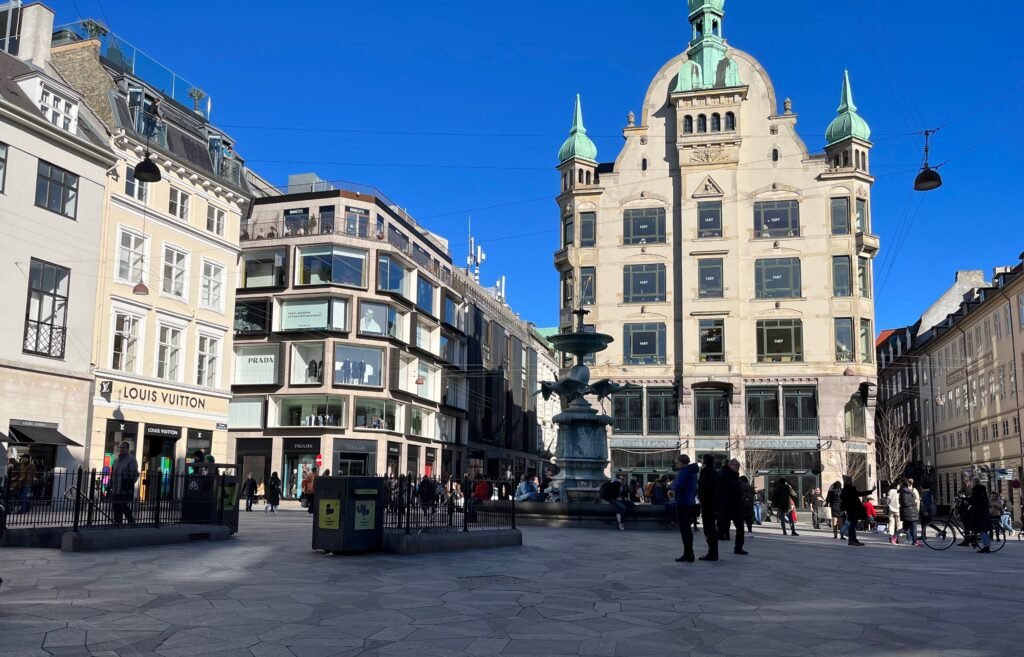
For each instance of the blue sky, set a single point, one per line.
(484, 92)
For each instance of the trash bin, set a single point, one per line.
(348, 514)
(198, 499)
(227, 486)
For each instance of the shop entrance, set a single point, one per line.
(117, 432)
(351, 465)
(299, 460)
(252, 455)
(394, 460)
(158, 448)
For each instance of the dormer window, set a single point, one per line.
(58, 110)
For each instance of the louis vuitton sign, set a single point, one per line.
(135, 393)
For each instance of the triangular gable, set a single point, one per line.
(708, 188)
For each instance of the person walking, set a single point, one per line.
(1001, 510)
(834, 502)
(747, 503)
(124, 472)
(892, 509)
(981, 521)
(249, 491)
(784, 499)
(22, 482)
(273, 494)
(614, 493)
(853, 507)
(684, 486)
(707, 490)
(730, 497)
(309, 489)
(909, 512)
(817, 508)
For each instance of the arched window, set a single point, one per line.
(775, 155)
(714, 28)
(565, 181)
(687, 125)
(702, 123)
(846, 158)
(716, 123)
(588, 177)
(581, 176)
(643, 164)
(730, 121)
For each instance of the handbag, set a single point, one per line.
(792, 515)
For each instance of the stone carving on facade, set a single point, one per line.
(643, 140)
(862, 191)
(773, 129)
(568, 209)
(709, 155)
(630, 119)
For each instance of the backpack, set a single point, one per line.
(608, 491)
(649, 489)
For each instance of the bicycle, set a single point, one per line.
(942, 534)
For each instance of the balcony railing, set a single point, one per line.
(762, 426)
(663, 426)
(801, 426)
(711, 426)
(628, 426)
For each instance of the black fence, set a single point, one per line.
(81, 499)
(445, 505)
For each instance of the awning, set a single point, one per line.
(40, 435)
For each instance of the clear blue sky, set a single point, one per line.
(509, 71)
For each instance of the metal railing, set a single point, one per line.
(663, 426)
(80, 499)
(762, 426)
(447, 505)
(628, 426)
(801, 426)
(711, 426)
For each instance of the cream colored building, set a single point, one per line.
(733, 267)
(169, 255)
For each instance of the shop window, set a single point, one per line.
(644, 344)
(780, 341)
(381, 414)
(709, 278)
(643, 283)
(777, 278)
(358, 366)
(314, 314)
(307, 363)
(709, 219)
(252, 317)
(264, 268)
(323, 265)
(256, 365)
(393, 277)
(712, 340)
(382, 320)
(774, 219)
(421, 423)
(644, 226)
(312, 411)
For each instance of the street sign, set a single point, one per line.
(319, 460)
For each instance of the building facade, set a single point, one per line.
(169, 254)
(733, 268)
(548, 369)
(359, 348)
(53, 158)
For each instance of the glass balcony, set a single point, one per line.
(711, 426)
(762, 426)
(662, 426)
(627, 426)
(801, 426)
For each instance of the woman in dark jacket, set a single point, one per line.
(834, 500)
(909, 513)
(853, 506)
(273, 494)
(980, 520)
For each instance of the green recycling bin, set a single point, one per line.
(348, 515)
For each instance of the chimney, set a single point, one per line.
(36, 35)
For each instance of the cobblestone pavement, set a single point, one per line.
(566, 592)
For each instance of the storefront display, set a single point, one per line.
(299, 459)
(357, 366)
(117, 432)
(355, 457)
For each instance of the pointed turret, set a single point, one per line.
(578, 145)
(707, 65)
(847, 123)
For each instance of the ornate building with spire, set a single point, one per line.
(733, 266)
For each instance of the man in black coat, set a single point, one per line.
(730, 505)
(249, 491)
(707, 491)
(854, 507)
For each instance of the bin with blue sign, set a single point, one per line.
(348, 515)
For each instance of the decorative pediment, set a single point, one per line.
(708, 188)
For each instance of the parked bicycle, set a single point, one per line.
(942, 534)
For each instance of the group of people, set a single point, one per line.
(21, 476)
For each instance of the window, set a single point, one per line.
(840, 216)
(777, 278)
(263, 269)
(709, 219)
(256, 365)
(215, 220)
(780, 341)
(421, 423)
(777, 219)
(178, 205)
(775, 155)
(56, 190)
(137, 189)
(126, 342)
(245, 413)
(844, 340)
(567, 290)
(130, 257)
(452, 313)
(381, 320)
(688, 125)
(168, 357)
(709, 278)
(175, 272)
(357, 220)
(588, 280)
(800, 410)
(3, 166)
(327, 213)
(643, 283)
(568, 232)
(730, 121)
(307, 363)
(711, 412)
(58, 110)
(627, 412)
(862, 216)
(702, 123)
(716, 122)
(393, 277)
(314, 411)
(866, 341)
(712, 340)
(381, 414)
(588, 229)
(425, 293)
(314, 314)
(252, 316)
(428, 337)
(46, 314)
(842, 285)
(662, 411)
(646, 226)
(212, 284)
(762, 411)
(358, 366)
(644, 344)
(864, 277)
(206, 370)
(324, 265)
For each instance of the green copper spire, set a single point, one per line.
(847, 123)
(707, 65)
(578, 145)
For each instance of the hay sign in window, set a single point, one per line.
(644, 344)
(777, 278)
(777, 219)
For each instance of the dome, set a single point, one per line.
(847, 123)
(578, 145)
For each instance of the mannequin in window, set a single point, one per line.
(312, 372)
(369, 323)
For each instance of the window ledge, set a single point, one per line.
(773, 299)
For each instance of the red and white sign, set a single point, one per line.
(319, 460)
